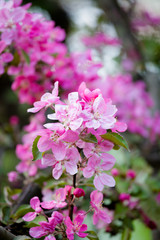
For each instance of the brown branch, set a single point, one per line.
(6, 235)
(121, 20)
(71, 206)
(28, 192)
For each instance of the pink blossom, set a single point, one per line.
(59, 202)
(47, 100)
(68, 115)
(86, 94)
(47, 228)
(102, 114)
(95, 166)
(35, 204)
(99, 212)
(76, 227)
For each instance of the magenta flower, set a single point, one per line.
(35, 204)
(99, 212)
(47, 100)
(76, 227)
(47, 228)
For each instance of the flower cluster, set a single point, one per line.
(36, 57)
(61, 222)
(63, 141)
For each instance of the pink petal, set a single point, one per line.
(35, 203)
(96, 197)
(88, 172)
(57, 171)
(72, 97)
(83, 228)
(48, 205)
(104, 216)
(55, 89)
(107, 180)
(29, 216)
(44, 144)
(48, 160)
(59, 150)
(97, 183)
(71, 167)
(74, 125)
(37, 232)
(60, 195)
(7, 57)
(108, 161)
(79, 219)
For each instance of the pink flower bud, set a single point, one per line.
(14, 120)
(12, 176)
(131, 174)
(124, 197)
(115, 172)
(78, 192)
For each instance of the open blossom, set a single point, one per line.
(101, 114)
(47, 228)
(47, 100)
(96, 167)
(99, 212)
(70, 162)
(76, 227)
(58, 202)
(69, 115)
(35, 204)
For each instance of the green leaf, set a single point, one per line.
(22, 237)
(26, 57)
(88, 138)
(115, 138)
(36, 153)
(35, 222)
(22, 210)
(6, 214)
(92, 235)
(126, 235)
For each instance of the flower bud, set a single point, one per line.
(131, 174)
(12, 176)
(78, 192)
(115, 172)
(124, 197)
